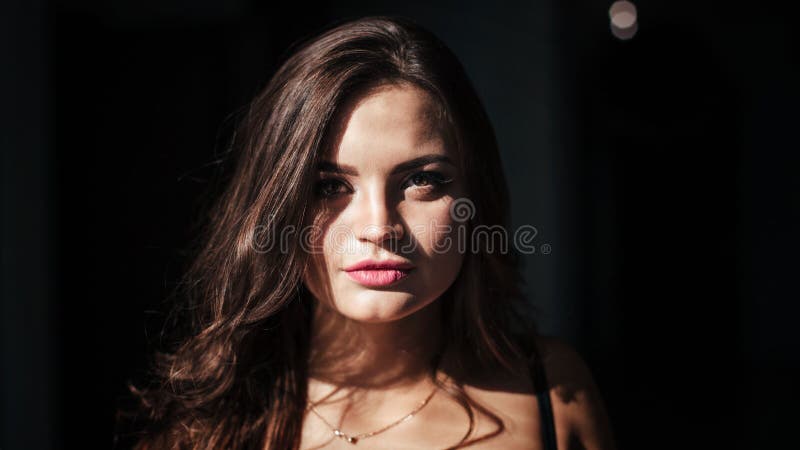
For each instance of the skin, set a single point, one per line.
(371, 347)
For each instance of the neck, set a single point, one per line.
(379, 356)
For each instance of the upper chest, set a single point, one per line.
(501, 419)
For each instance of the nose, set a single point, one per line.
(378, 218)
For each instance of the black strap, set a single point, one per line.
(548, 427)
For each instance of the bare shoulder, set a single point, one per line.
(581, 418)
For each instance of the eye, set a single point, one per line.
(426, 179)
(330, 187)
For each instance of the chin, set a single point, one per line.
(374, 306)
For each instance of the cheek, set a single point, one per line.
(315, 239)
(316, 276)
(433, 228)
(438, 250)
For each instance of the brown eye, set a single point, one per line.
(426, 179)
(328, 188)
(420, 180)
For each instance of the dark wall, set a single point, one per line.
(687, 207)
(660, 171)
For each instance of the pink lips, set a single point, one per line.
(378, 273)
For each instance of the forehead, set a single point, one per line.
(389, 124)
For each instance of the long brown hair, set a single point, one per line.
(238, 378)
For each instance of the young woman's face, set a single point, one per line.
(386, 244)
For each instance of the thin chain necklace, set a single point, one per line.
(355, 438)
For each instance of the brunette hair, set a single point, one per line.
(238, 378)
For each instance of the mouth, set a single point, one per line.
(378, 277)
(374, 273)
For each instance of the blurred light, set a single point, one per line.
(624, 33)
(623, 19)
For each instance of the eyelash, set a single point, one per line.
(434, 179)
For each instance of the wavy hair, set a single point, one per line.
(237, 378)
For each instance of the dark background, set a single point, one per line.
(661, 171)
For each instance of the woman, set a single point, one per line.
(340, 297)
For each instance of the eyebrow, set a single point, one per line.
(327, 166)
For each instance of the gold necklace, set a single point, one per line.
(355, 438)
